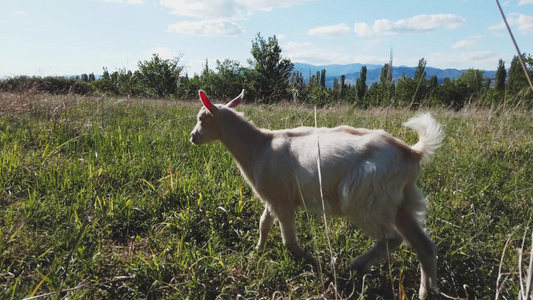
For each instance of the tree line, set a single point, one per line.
(269, 78)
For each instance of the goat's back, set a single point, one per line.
(363, 172)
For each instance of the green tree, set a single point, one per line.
(105, 85)
(382, 92)
(127, 84)
(360, 84)
(473, 80)
(229, 79)
(452, 94)
(517, 80)
(298, 86)
(433, 82)
(342, 87)
(405, 90)
(501, 76)
(432, 86)
(160, 77)
(272, 71)
(209, 80)
(323, 78)
(421, 83)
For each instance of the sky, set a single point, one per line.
(72, 37)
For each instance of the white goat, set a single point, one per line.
(368, 177)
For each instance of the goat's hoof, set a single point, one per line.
(360, 267)
(432, 293)
(260, 250)
(309, 259)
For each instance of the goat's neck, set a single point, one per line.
(244, 141)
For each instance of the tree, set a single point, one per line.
(405, 90)
(472, 79)
(501, 75)
(209, 80)
(127, 83)
(360, 84)
(160, 77)
(452, 93)
(229, 79)
(386, 82)
(342, 86)
(272, 70)
(105, 85)
(298, 86)
(433, 82)
(432, 86)
(420, 92)
(382, 92)
(517, 80)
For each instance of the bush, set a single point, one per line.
(54, 85)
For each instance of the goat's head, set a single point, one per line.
(208, 127)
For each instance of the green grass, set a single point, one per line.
(107, 198)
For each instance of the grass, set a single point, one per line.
(107, 198)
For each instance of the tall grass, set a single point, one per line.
(106, 198)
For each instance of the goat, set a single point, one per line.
(368, 177)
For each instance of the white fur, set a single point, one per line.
(368, 177)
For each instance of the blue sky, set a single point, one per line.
(71, 37)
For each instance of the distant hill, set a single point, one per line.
(351, 71)
(332, 70)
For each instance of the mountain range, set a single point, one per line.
(351, 72)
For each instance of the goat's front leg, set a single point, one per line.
(287, 223)
(265, 224)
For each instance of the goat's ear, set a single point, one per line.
(207, 103)
(236, 101)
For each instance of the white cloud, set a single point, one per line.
(497, 27)
(330, 31)
(464, 44)
(468, 59)
(525, 2)
(311, 54)
(217, 17)
(20, 12)
(207, 27)
(419, 23)
(225, 9)
(363, 29)
(126, 1)
(523, 22)
(467, 44)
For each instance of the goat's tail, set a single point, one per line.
(430, 134)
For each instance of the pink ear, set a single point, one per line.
(207, 103)
(236, 101)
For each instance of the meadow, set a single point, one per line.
(106, 198)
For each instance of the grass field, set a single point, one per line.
(107, 198)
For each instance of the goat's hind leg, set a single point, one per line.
(423, 246)
(379, 251)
